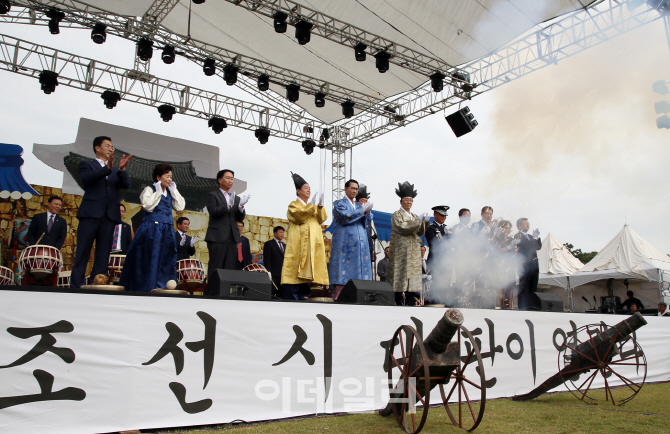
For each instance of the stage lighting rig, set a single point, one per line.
(209, 67)
(48, 80)
(5, 7)
(145, 49)
(663, 6)
(293, 92)
(168, 54)
(382, 61)
(325, 134)
(230, 74)
(303, 31)
(436, 81)
(217, 124)
(462, 121)
(98, 34)
(464, 78)
(56, 17)
(262, 134)
(263, 82)
(166, 111)
(198, 2)
(308, 146)
(359, 52)
(280, 22)
(348, 108)
(320, 99)
(110, 98)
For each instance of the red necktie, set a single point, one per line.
(240, 258)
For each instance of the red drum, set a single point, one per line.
(6, 276)
(40, 261)
(64, 279)
(191, 272)
(255, 267)
(115, 267)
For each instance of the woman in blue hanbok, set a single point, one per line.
(152, 255)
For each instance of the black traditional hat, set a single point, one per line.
(405, 190)
(298, 180)
(440, 209)
(362, 192)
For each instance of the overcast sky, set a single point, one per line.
(574, 147)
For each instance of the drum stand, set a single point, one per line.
(29, 280)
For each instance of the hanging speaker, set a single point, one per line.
(462, 122)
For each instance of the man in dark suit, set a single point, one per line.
(530, 270)
(243, 249)
(123, 235)
(185, 243)
(48, 223)
(99, 211)
(484, 225)
(273, 259)
(225, 210)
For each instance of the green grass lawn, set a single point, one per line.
(556, 413)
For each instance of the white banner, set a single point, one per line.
(82, 363)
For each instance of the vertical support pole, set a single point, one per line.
(572, 305)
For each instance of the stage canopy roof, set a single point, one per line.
(455, 32)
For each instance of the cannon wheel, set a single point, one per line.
(622, 361)
(405, 338)
(460, 378)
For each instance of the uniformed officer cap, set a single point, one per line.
(441, 209)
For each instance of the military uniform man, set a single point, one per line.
(437, 236)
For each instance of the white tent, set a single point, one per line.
(556, 263)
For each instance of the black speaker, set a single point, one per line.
(550, 302)
(240, 285)
(367, 292)
(462, 121)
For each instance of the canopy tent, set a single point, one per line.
(556, 263)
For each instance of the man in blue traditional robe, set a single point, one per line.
(350, 251)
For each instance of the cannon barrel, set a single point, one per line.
(438, 339)
(579, 358)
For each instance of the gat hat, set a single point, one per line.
(362, 192)
(298, 180)
(405, 190)
(440, 209)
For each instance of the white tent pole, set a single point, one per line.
(660, 284)
(572, 307)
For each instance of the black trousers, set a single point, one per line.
(222, 255)
(527, 288)
(297, 291)
(410, 298)
(92, 230)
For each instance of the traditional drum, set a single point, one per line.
(64, 279)
(39, 262)
(6, 276)
(115, 267)
(255, 267)
(190, 272)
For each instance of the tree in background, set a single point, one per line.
(577, 253)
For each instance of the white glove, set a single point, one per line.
(172, 187)
(422, 217)
(321, 199)
(157, 184)
(183, 240)
(536, 233)
(315, 198)
(244, 199)
(426, 217)
(429, 277)
(367, 207)
(193, 241)
(515, 242)
(270, 275)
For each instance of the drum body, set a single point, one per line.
(190, 272)
(6, 276)
(64, 279)
(115, 267)
(255, 267)
(40, 261)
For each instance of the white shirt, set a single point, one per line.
(408, 213)
(227, 196)
(303, 202)
(49, 216)
(351, 202)
(102, 163)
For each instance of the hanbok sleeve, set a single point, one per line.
(298, 213)
(178, 201)
(322, 215)
(345, 215)
(150, 198)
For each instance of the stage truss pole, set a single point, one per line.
(339, 145)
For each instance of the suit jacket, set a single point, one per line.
(247, 259)
(434, 242)
(273, 258)
(382, 269)
(126, 237)
(185, 251)
(222, 221)
(38, 226)
(528, 248)
(478, 226)
(101, 190)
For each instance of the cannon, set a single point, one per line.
(416, 366)
(611, 354)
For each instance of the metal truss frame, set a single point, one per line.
(29, 59)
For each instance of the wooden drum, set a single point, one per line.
(64, 279)
(40, 262)
(115, 267)
(190, 273)
(6, 276)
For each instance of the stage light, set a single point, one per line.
(359, 52)
(166, 111)
(280, 22)
(325, 134)
(462, 121)
(382, 61)
(56, 17)
(4, 7)
(217, 124)
(320, 99)
(230, 74)
(464, 78)
(198, 2)
(348, 108)
(293, 92)
(436, 81)
(168, 55)
(110, 98)
(209, 67)
(263, 82)
(303, 31)
(98, 34)
(660, 5)
(390, 109)
(308, 146)
(145, 49)
(48, 80)
(262, 134)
